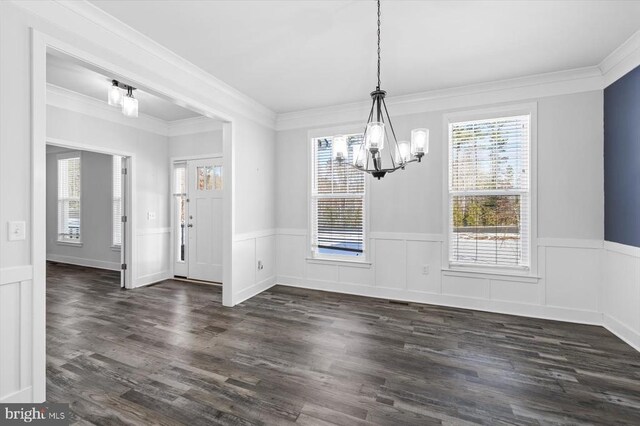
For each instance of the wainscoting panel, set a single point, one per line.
(248, 249)
(16, 334)
(409, 267)
(152, 256)
(573, 277)
(621, 291)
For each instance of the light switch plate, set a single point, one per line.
(16, 231)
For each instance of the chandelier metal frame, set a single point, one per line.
(369, 157)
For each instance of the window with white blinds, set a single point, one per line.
(338, 201)
(69, 198)
(489, 192)
(116, 237)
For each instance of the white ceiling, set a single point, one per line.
(72, 75)
(294, 55)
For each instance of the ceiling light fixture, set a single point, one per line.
(115, 94)
(130, 104)
(118, 98)
(368, 156)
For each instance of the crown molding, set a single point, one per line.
(82, 104)
(622, 60)
(76, 16)
(518, 89)
(189, 126)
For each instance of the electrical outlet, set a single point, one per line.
(260, 265)
(425, 269)
(151, 215)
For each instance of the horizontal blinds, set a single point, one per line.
(117, 201)
(69, 198)
(489, 195)
(338, 200)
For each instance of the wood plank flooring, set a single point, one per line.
(171, 354)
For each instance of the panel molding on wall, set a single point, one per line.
(396, 272)
(248, 249)
(155, 268)
(16, 334)
(621, 291)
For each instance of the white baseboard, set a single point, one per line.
(91, 263)
(495, 306)
(22, 396)
(154, 278)
(249, 292)
(626, 334)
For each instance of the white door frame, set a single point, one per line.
(172, 215)
(40, 43)
(131, 224)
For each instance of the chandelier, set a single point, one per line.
(372, 156)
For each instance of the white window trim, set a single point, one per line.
(63, 156)
(312, 256)
(530, 109)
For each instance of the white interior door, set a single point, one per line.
(204, 224)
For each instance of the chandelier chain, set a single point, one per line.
(378, 44)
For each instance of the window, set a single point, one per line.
(116, 238)
(180, 197)
(69, 197)
(489, 192)
(338, 202)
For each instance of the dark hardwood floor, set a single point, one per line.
(171, 354)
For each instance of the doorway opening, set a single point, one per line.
(197, 217)
(87, 199)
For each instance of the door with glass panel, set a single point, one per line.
(198, 186)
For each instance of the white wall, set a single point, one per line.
(407, 224)
(196, 144)
(151, 174)
(255, 205)
(96, 213)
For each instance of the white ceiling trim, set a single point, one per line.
(232, 99)
(622, 60)
(73, 101)
(543, 85)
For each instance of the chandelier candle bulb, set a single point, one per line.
(403, 152)
(340, 148)
(359, 155)
(419, 142)
(115, 95)
(374, 139)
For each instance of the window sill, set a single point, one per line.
(523, 275)
(339, 262)
(70, 243)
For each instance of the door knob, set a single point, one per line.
(190, 225)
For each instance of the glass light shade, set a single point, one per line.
(359, 155)
(115, 96)
(130, 106)
(374, 140)
(419, 141)
(339, 145)
(403, 152)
